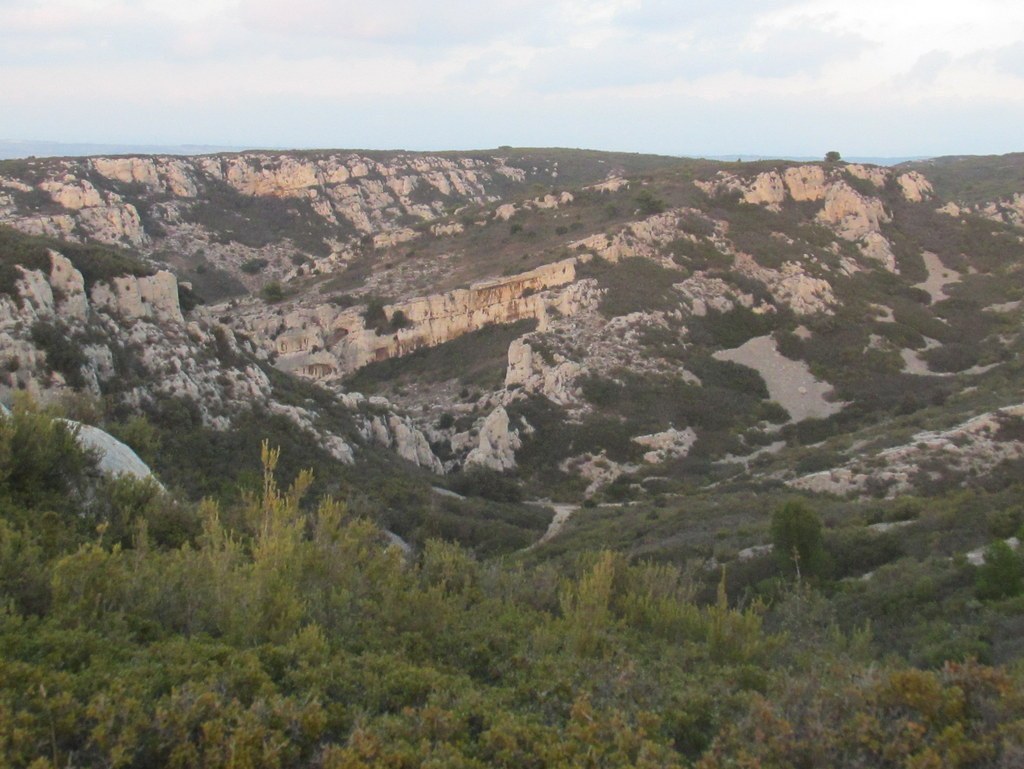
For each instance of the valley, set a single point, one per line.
(579, 387)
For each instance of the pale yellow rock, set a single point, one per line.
(430, 320)
(704, 293)
(394, 237)
(60, 226)
(453, 228)
(851, 214)
(527, 369)
(498, 443)
(505, 211)
(874, 174)
(766, 189)
(914, 186)
(642, 238)
(805, 182)
(114, 224)
(612, 184)
(670, 444)
(67, 282)
(73, 193)
(875, 246)
(280, 177)
(791, 285)
(169, 175)
(152, 297)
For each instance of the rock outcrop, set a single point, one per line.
(528, 370)
(852, 215)
(791, 286)
(154, 297)
(115, 458)
(669, 444)
(99, 198)
(968, 449)
(326, 343)
(497, 445)
(642, 238)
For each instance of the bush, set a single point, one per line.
(62, 354)
(41, 463)
(1000, 575)
(374, 315)
(254, 266)
(634, 285)
(486, 483)
(273, 292)
(797, 539)
(648, 205)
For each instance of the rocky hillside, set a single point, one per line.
(593, 325)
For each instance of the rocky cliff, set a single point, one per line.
(97, 198)
(126, 339)
(323, 342)
(673, 312)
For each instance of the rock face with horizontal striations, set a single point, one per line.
(326, 343)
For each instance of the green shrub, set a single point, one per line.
(273, 292)
(797, 539)
(62, 353)
(1000, 575)
(254, 266)
(634, 285)
(648, 204)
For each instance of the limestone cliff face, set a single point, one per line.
(59, 298)
(641, 238)
(171, 176)
(852, 215)
(325, 343)
(154, 297)
(528, 370)
(98, 198)
(915, 187)
(139, 318)
(497, 445)
(84, 211)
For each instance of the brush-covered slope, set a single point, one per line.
(670, 350)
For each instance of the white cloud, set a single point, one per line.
(527, 63)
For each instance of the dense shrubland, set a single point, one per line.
(138, 631)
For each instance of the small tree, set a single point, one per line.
(648, 204)
(796, 536)
(832, 157)
(1000, 575)
(272, 292)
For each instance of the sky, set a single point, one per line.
(683, 77)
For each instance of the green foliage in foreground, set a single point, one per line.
(275, 636)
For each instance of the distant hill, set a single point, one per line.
(11, 149)
(870, 159)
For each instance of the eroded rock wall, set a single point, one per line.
(324, 343)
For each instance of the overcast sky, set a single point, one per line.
(785, 77)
